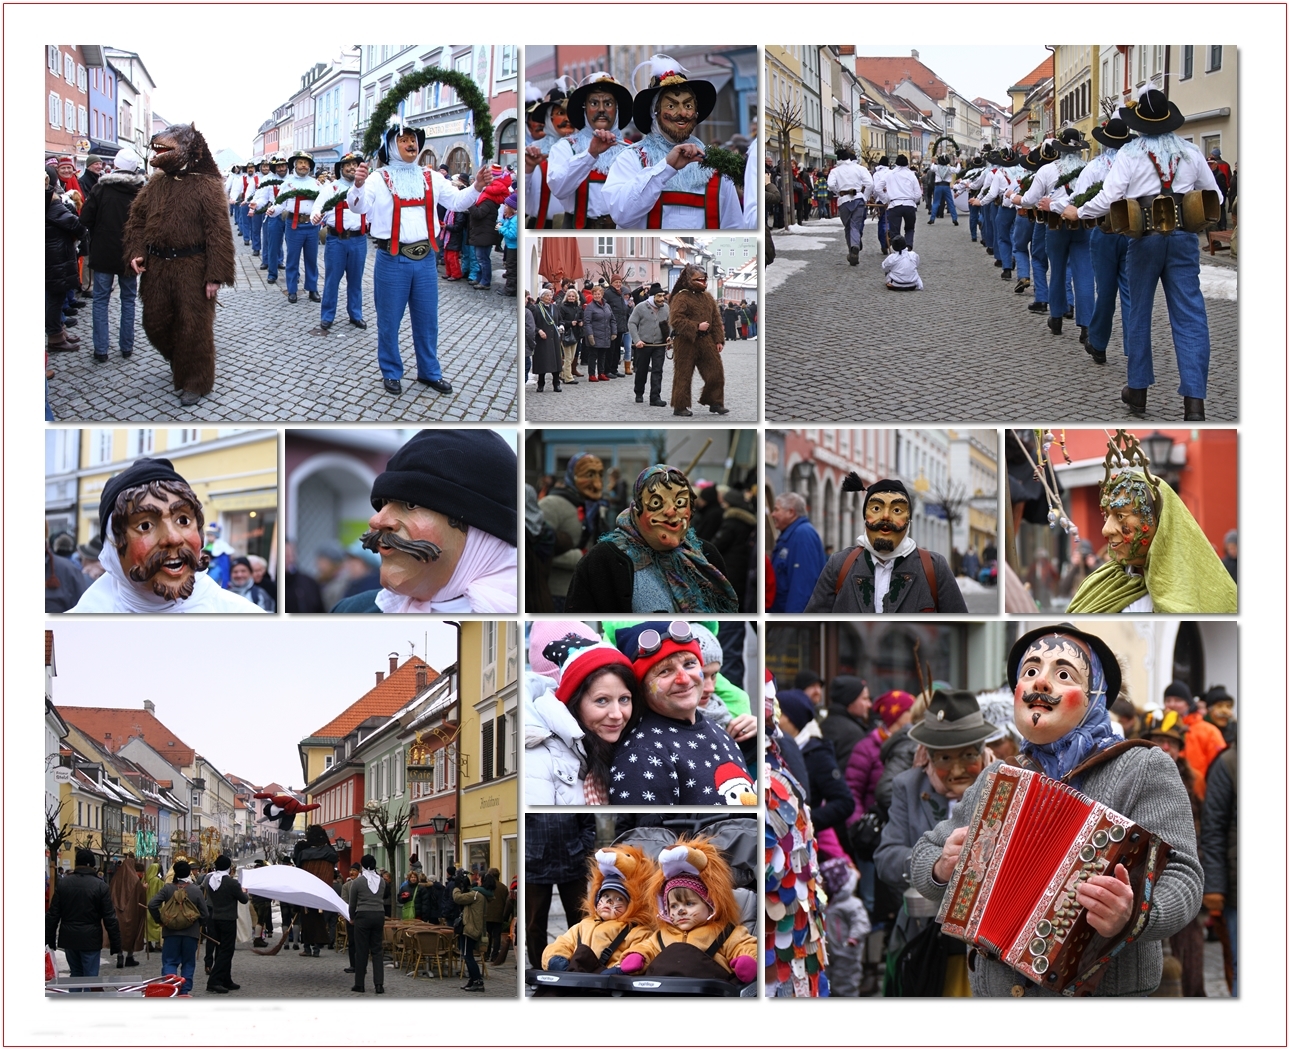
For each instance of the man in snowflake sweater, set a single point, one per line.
(675, 755)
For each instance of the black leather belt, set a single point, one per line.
(416, 251)
(342, 234)
(601, 222)
(177, 253)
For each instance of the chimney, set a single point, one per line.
(423, 678)
(394, 662)
(150, 707)
(913, 54)
(107, 739)
(380, 677)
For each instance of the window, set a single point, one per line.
(69, 69)
(80, 77)
(184, 436)
(1208, 143)
(197, 800)
(329, 761)
(82, 120)
(141, 442)
(108, 86)
(510, 60)
(490, 642)
(604, 246)
(1188, 62)
(486, 751)
(55, 110)
(100, 447)
(1214, 58)
(54, 62)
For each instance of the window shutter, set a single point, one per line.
(501, 745)
(486, 752)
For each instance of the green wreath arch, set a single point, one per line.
(936, 146)
(466, 90)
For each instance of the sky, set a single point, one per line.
(976, 71)
(248, 691)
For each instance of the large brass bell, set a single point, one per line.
(1201, 210)
(1164, 214)
(1126, 217)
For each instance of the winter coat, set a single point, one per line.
(63, 230)
(707, 516)
(897, 755)
(831, 799)
(1204, 743)
(1218, 838)
(560, 508)
(224, 901)
(72, 583)
(483, 224)
(530, 330)
(915, 595)
(864, 770)
(569, 315)
(599, 323)
(1142, 784)
(169, 890)
(845, 918)
(556, 847)
(362, 901)
(839, 726)
(740, 942)
(737, 527)
(797, 560)
(415, 906)
(472, 912)
(546, 349)
(916, 808)
(604, 580)
(500, 907)
(622, 307)
(79, 911)
(553, 756)
(106, 210)
(598, 934)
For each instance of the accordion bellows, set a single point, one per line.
(1031, 842)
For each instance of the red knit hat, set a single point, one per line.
(582, 664)
(890, 706)
(628, 639)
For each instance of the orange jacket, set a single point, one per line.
(1204, 742)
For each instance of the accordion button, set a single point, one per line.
(1101, 838)
(1043, 928)
(1040, 965)
(1087, 853)
(1116, 833)
(1018, 991)
(1038, 946)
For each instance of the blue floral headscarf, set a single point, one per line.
(1092, 734)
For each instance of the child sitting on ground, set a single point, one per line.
(901, 268)
(617, 917)
(699, 932)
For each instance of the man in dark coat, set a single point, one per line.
(105, 214)
(847, 721)
(831, 800)
(224, 893)
(64, 582)
(178, 233)
(316, 855)
(80, 910)
(886, 572)
(622, 307)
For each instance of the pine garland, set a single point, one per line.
(270, 182)
(467, 92)
(332, 202)
(1026, 183)
(944, 138)
(729, 163)
(1087, 195)
(1069, 177)
(303, 194)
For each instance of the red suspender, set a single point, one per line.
(340, 223)
(709, 200)
(544, 196)
(295, 215)
(580, 198)
(426, 202)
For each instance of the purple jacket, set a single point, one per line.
(864, 769)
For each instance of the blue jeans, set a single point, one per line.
(83, 964)
(179, 955)
(469, 264)
(1039, 259)
(1230, 917)
(939, 194)
(1021, 234)
(399, 284)
(1110, 275)
(304, 238)
(975, 220)
(987, 224)
(883, 230)
(102, 297)
(852, 212)
(344, 257)
(484, 259)
(1003, 235)
(274, 234)
(1070, 248)
(257, 225)
(244, 221)
(1171, 260)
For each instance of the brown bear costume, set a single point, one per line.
(179, 233)
(689, 307)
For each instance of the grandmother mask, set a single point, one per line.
(588, 476)
(662, 507)
(1130, 524)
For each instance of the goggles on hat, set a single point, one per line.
(651, 641)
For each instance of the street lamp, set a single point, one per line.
(440, 824)
(342, 846)
(1158, 447)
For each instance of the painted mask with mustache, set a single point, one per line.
(157, 530)
(886, 520)
(1051, 697)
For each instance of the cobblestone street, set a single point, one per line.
(274, 364)
(615, 401)
(840, 347)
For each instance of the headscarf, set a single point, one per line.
(1092, 734)
(593, 510)
(694, 583)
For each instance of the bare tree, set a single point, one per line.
(953, 499)
(785, 120)
(389, 828)
(58, 833)
(609, 269)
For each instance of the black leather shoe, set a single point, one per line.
(998, 262)
(357, 988)
(256, 254)
(640, 399)
(392, 386)
(217, 989)
(1022, 285)
(293, 298)
(230, 986)
(360, 323)
(989, 251)
(264, 266)
(720, 410)
(1098, 356)
(349, 969)
(657, 402)
(1069, 315)
(324, 325)
(1193, 409)
(1083, 334)
(1006, 275)
(314, 297)
(442, 385)
(1136, 399)
(270, 280)
(853, 256)
(1038, 308)
(956, 222)
(380, 989)
(682, 412)
(1055, 325)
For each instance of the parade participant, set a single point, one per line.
(997, 194)
(578, 166)
(316, 855)
(648, 330)
(616, 916)
(79, 915)
(231, 186)
(224, 893)
(1061, 678)
(154, 562)
(367, 921)
(176, 233)
(699, 933)
(273, 230)
(1023, 226)
(852, 184)
(345, 253)
(1050, 191)
(294, 202)
(254, 217)
(899, 190)
(130, 902)
(661, 182)
(653, 561)
(282, 809)
(879, 205)
(894, 575)
(697, 341)
(1158, 558)
(398, 202)
(543, 209)
(1047, 153)
(445, 527)
(901, 268)
(243, 189)
(1159, 162)
(676, 755)
(105, 215)
(980, 184)
(942, 173)
(576, 509)
(179, 942)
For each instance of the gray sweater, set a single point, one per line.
(1142, 784)
(645, 323)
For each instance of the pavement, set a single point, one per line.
(980, 599)
(274, 364)
(964, 348)
(615, 401)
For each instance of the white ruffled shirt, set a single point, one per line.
(485, 581)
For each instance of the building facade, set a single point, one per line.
(1203, 84)
(67, 101)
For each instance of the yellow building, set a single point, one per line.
(488, 810)
(1075, 87)
(99, 803)
(1202, 83)
(783, 87)
(234, 473)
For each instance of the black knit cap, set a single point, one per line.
(470, 475)
(139, 473)
(887, 485)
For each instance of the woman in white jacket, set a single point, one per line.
(571, 729)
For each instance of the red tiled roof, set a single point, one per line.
(49, 647)
(888, 72)
(381, 701)
(124, 723)
(1041, 72)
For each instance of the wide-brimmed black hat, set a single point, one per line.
(1153, 114)
(666, 73)
(1006, 156)
(1113, 133)
(302, 155)
(1032, 161)
(1110, 665)
(538, 110)
(1071, 140)
(953, 719)
(576, 106)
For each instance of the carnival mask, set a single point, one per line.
(588, 476)
(1130, 520)
(664, 515)
(560, 120)
(601, 110)
(678, 113)
(886, 520)
(162, 544)
(407, 538)
(1051, 697)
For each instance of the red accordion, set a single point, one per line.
(1031, 842)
